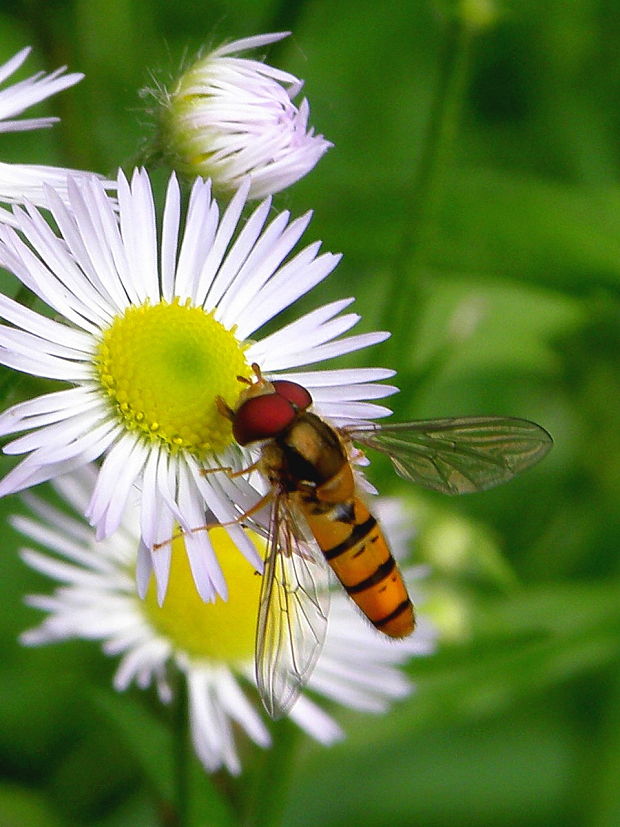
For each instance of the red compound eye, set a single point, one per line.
(262, 417)
(296, 394)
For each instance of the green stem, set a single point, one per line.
(406, 291)
(181, 755)
(266, 798)
(599, 803)
(176, 812)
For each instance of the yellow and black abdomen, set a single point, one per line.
(354, 546)
(313, 465)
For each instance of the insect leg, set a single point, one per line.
(262, 502)
(229, 471)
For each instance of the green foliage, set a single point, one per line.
(513, 307)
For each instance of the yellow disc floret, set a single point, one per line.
(222, 631)
(163, 366)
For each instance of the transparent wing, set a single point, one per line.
(457, 456)
(293, 609)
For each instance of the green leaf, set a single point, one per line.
(530, 230)
(20, 806)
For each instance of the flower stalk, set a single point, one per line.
(181, 758)
(406, 293)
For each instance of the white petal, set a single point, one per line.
(144, 569)
(138, 230)
(159, 509)
(211, 284)
(265, 257)
(282, 290)
(237, 706)
(134, 661)
(55, 441)
(317, 354)
(236, 256)
(41, 326)
(119, 471)
(19, 96)
(52, 407)
(342, 412)
(13, 63)
(224, 513)
(169, 238)
(211, 733)
(29, 473)
(203, 562)
(254, 42)
(200, 229)
(317, 723)
(56, 569)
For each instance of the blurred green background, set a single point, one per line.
(511, 256)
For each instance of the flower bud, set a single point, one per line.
(230, 117)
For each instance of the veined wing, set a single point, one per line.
(457, 456)
(293, 609)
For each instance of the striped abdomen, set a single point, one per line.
(310, 461)
(354, 546)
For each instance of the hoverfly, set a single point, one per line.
(317, 515)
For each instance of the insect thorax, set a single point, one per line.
(307, 454)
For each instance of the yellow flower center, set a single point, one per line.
(162, 367)
(222, 631)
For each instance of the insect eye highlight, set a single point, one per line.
(262, 417)
(296, 394)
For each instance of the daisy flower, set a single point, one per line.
(20, 182)
(212, 644)
(230, 117)
(154, 331)
(20, 96)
